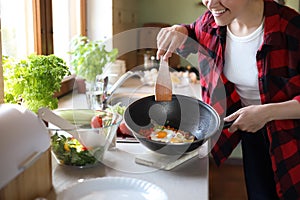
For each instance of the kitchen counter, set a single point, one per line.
(188, 180)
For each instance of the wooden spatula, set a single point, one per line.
(163, 85)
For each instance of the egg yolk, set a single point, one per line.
(161, 134)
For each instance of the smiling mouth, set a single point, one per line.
(218, 12)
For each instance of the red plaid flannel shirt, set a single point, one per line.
(278, 62)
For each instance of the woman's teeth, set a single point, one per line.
(218, 12)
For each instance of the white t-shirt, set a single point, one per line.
(240, 64)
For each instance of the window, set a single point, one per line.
(17, 28)
(67, 22)
(41, 26)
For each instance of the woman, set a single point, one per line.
(256, 48)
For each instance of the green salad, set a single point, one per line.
(70, 152)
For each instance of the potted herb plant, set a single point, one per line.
(89, 57)
(32, 82)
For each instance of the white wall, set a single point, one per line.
(169, 11)
(99, 19)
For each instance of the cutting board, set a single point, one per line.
(166, 162)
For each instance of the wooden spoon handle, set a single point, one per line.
(163, 86)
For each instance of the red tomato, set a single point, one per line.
(84, 148)
(124, 130)
(96, 122)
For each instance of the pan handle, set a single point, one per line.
(227, 124)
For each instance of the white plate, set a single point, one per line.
(113, 188)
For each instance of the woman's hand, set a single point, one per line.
(250, 118)
(169, 39)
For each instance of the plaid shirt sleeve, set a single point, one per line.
(279, 80)
(278, 62)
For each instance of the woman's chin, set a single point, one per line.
(222, 22)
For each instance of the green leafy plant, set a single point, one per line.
(89, 57)
(32, 82)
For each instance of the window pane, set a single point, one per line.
(17, 28)
(66, 25)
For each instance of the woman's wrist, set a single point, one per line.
(269, 111)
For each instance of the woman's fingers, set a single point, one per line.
(160, 53)
(163, 45)
(231, 117)
(233, 128)
(169, 39)
(250, 119)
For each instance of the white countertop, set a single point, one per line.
(187, 181)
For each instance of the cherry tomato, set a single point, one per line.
(96, 122)
(124, 130)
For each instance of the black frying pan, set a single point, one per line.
(182, 113)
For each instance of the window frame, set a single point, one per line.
(43, 25)
(43, 35)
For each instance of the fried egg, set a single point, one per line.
(170, 136)
(164, 135)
